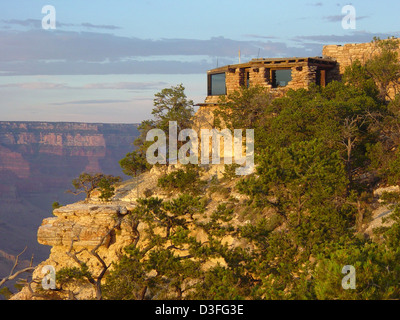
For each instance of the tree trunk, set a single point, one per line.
(143, 293)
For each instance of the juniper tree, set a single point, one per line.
(86, 183)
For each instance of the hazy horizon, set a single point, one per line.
(104, 61)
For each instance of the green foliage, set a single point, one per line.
(170, 104)
(384, 67)
(357, 75)
(220, 283)
(182, 180)
(166, 236)
(306, 154)
(320, 153)
(56, 205)
(230, 171)
(127, 279)
(390, 197)
(296, 179)
(140, 142)
(376, 265)
(87, 182)
(134, 163)
(219, 225)
(244, 108)
(6, 293)
(66, 275)
(106, 189)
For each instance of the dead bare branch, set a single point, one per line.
(96, 282)
(13, 274)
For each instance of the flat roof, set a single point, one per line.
(279, 62)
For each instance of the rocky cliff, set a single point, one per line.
(38, 161)
(78, 228)
(24, 144)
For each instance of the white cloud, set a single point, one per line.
(94, 101)
(127, 85)
(37, 24)
(35, 85)
(57, 52)
(339, 18)
(350, 37)
(89, 86)
(41, 52)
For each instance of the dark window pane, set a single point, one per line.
(283, 77)
(217, 84)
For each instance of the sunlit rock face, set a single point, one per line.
(38, 161)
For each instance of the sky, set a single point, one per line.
(103, 61)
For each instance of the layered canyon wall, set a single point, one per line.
(38, 161)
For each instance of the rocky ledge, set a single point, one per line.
(76, 229)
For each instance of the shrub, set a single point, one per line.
(187, 180)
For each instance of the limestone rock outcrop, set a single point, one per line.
(38, 161)
(78, 228)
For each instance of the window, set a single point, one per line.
(216, 84)
(244, 78)
(281, 78)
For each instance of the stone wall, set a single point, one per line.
(260, 77)
(347, 54)
(302, 76)
(233, 80)
(303, 73)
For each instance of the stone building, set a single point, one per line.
(277, 74)
(346, 54)
(281, 74)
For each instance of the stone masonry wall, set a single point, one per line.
(349, 53)
(260, 77)
(233, 80)
(302, 76)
